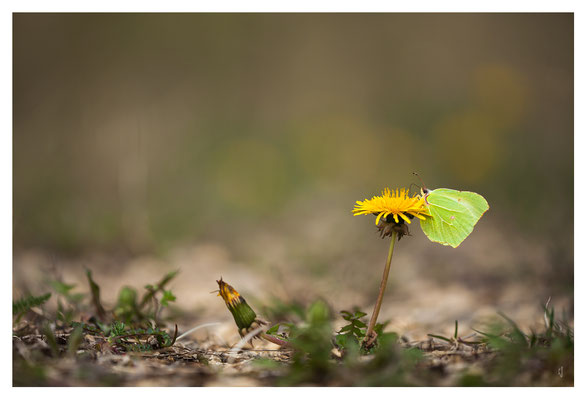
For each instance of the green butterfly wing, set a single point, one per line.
(454, 214)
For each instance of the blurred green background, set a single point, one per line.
(141, 132)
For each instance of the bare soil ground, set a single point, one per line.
(430, 288)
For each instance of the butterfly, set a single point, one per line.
(454, 214)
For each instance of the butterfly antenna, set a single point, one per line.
(420, 179)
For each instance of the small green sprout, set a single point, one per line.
(22, 306)
(167, 297)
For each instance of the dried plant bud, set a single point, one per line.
(244, 316)
(386, 228)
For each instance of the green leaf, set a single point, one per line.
(318, 312)
(95, 289)
(346, 315)
(61, 287)
(117, 328)
(517, 333)
(486, 334)
(456, 329)
(360, 324)
(127, 297)
(440, 337)
(167, 297)
(153, 289)
(454, 214)
(50, 339)
(25, 304)
(64, 290)
(275, 328)
(379, 327)
(75, 339)
(346, 340)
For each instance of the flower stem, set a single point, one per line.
(370, 336)
(275, 340)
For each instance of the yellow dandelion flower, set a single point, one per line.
(393, 202)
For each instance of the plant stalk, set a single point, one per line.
(369, 335)
(275, 340)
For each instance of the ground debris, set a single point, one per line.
(93, 365)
